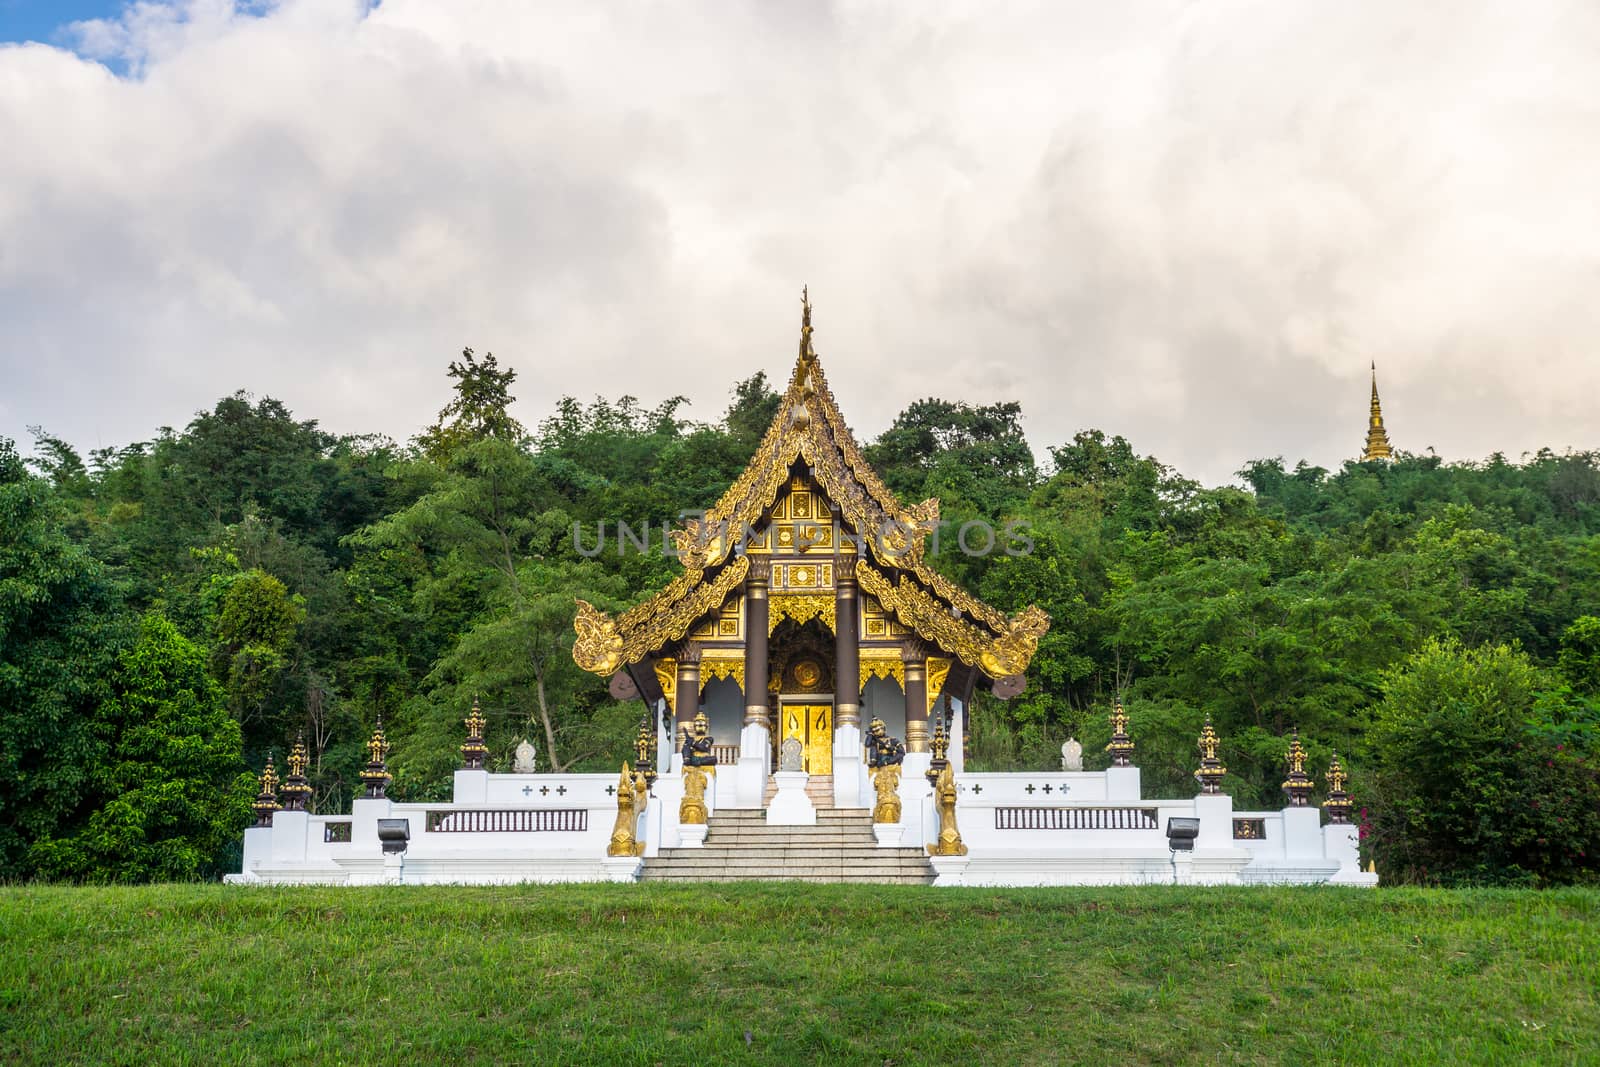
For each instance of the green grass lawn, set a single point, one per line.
(768, 973)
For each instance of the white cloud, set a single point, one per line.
(1190, 223)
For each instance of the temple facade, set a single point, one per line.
(805, 683)
(806, 602)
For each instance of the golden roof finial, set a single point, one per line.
(1377, 438)
(375, 776)
(475, 751)
(296, 788)
(267, 802)
(1338, 805)
(806, 351)
(1298, 785)
(1211, 770)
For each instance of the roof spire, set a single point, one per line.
(1377, 437)
(806, 351)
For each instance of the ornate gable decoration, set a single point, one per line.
(809, 428)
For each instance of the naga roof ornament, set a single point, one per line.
(808, 428)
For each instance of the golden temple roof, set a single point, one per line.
(892, 567)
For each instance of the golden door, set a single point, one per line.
(812, 726)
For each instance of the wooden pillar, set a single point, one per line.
(756, 614)
(914, 654)
(846, 646)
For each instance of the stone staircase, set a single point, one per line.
(740, 846)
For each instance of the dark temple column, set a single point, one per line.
(755, 742)
(756, 615)
(685, 699)
(846, 646)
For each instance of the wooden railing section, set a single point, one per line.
(1076, 819)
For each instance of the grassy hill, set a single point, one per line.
(785, 974)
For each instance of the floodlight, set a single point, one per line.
(394, 834)
(1181, 833)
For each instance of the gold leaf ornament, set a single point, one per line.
(598, 648)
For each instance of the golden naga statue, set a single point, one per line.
(598, 648)
(944, 793)
(692, 812)
(1011, 652)
(886, 780)
(632, 796)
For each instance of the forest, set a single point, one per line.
(174, 610)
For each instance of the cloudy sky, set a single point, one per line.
(1191, 223)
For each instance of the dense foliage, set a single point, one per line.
(253, 576)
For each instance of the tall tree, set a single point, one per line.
(61, 624)
(479, 409)
(170, 795)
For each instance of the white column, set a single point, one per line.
(471, 787)
(916, 800)
(289, 830)
(1302, 833)
(1215, 812)
(1342, 842)
(847, 765)
(754, 754)
(257, 849)
(957, 754)
(1122, 785)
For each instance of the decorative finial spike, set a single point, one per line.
(806, 351)
(375, 775)
(267, 802)
(1298, 784)
(474, 752)
(1121, 746)
(1211, 770)
(1338, 805)
(297, 788)
(1377, 437)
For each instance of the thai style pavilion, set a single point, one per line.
(806, 601)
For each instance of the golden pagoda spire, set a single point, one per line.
(1377, 438)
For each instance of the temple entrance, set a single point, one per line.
(802, 698)
(812, 725)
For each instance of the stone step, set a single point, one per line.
(839, 847)
(808, 867)
(834, 876)
(685, 863)
(823, 815)
(756, 833)
(843, 879)
(848, 854)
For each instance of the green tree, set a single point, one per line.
(61, 624)
(171, 794)
(975, 458)
(479, 409)
(488, 555)
(755, 404)
(1463, 788)
(256, 622)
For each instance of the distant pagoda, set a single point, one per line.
(1377, 438)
